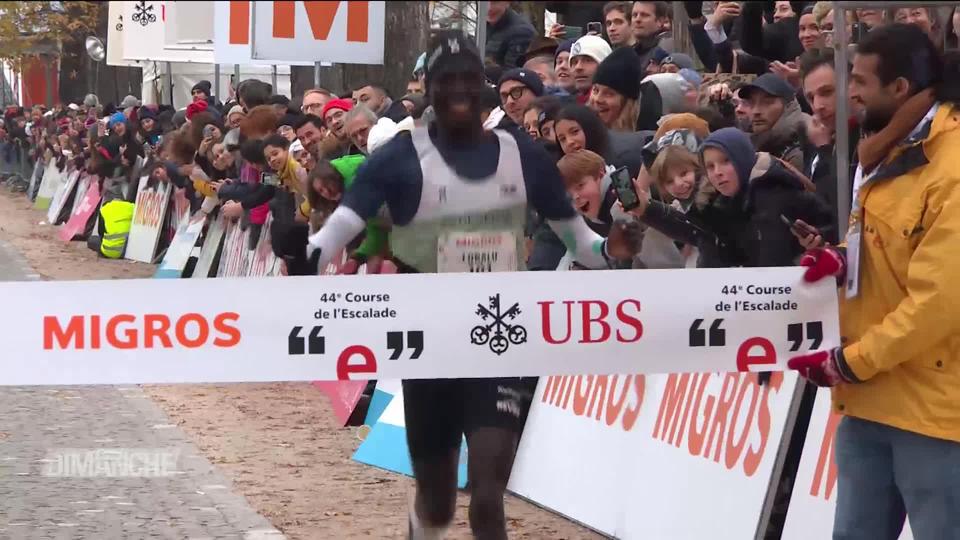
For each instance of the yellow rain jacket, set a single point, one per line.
(901, 334)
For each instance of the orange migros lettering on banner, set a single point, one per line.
(149, 205)
(825, 475)
(144, 332)
(321, 16)
(686, 400)
(614, 400)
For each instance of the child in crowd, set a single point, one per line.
(587, 179)
(291, 176)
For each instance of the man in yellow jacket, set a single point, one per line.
(896, 377)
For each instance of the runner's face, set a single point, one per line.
(585, 194)
(456, 100)
(570, 136)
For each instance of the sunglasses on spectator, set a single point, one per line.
(516, 93)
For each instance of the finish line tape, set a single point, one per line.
(412, 326)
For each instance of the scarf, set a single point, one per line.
(873, 149)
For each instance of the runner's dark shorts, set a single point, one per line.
(438, 412)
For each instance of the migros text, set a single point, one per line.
(148, 331)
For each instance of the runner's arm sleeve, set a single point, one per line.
(340, 228)
(546, 195)
(587, 247)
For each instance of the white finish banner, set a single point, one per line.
(412, 326)
(343, 32)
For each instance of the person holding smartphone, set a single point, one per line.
(735, 219)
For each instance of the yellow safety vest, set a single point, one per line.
(116, 216)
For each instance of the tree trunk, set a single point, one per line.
(533, 11)
(407, 29)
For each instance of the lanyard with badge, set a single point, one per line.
(855, 235)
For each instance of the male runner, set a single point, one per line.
(443, 184)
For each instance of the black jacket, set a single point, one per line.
(508, 39)
(745, 230)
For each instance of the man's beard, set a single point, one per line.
(873, 121)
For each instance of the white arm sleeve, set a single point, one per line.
(588, 248)
(341, 227)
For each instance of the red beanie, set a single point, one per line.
(343, 104)
(195, 108)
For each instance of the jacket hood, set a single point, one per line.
(789, 128)
(736, 145)
(670, 88)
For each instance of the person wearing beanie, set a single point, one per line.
(451, 189)
(616, 89)
(585, 57)
(150, 129)
(675, 62)
(729, 219)
(660, 95)
(561, 64)
(690, 121)
(518, 88)
(234, 117)
(201, 91)
(91, 101)
(333, 115)
(129, 102)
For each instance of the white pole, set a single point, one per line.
(842, 134)
(482, 8)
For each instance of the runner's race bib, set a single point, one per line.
(488, 251)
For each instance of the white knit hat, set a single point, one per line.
(593, 46)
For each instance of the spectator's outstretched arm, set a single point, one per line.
(341, 227)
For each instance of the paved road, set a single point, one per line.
(104, 462)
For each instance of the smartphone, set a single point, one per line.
(623, 184)
(800, 229)
(572, 32)
(595, 28)
(208, 131)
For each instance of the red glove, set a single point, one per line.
(822, 368)
(822, 262)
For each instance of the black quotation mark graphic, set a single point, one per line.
(795, 335)
(414, 341)
(698, 336)
(314, 343)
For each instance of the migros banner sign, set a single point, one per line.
(346, 32)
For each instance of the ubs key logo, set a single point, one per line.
(496, 329)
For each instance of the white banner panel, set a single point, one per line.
(412, 326)
(655, 456)
(151, 207)
(342, 32)
(814, 498)
(115, 36)
(144, 34)
(191, 24)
